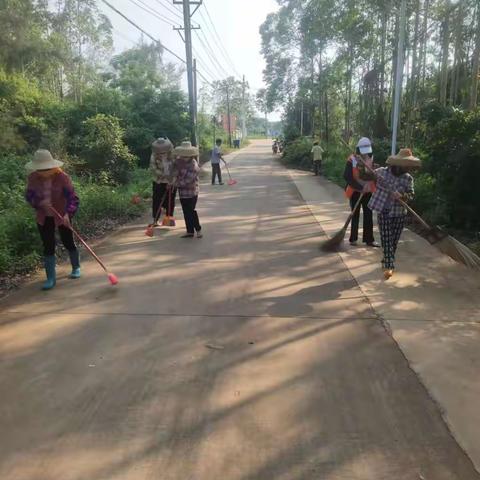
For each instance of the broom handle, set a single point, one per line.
(84, 243)
(355, 208)
(402, 202)
(228, 170)
(159, 211)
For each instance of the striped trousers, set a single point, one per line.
(390, 231)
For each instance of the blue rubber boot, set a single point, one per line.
(51, 273)
(75, 261)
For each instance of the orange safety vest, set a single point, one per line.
(357, 172)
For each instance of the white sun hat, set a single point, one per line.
(364, 145)
(42, 160)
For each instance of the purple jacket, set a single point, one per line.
(61, 192)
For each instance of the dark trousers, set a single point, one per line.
(47, 233)
(367, 218)
(317, 165)
(158, 192)
(390, 231)
(190, 214)
(216, 172)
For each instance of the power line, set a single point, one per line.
(153, 12)
(153, 38)
(171, 9)
(142, 30)
(219, 39)
(226, 61)
(210, 55)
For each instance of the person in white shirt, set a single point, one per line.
(215, 159)
(317, 151)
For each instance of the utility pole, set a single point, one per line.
(195, 96)
(399, 76)
(187, 28)
(301, 120)
(228, 118)
(244, 114)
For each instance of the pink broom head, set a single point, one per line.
(232, 182)
(149, 231)
(113, 279)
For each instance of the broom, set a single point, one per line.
(440, 239)
(150, 226)
(231, 181)
(334, 242)
(169, 221)
(113, 279)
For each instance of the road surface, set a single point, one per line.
(246, 355)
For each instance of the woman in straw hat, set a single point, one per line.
(186, 179)
(49, 186)
(161, 166)
(394, 183)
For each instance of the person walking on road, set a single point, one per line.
(49, 186)
(186, 171)
(394, 183)
(361, 183)
(161, 166)
(317, 152)
(216, 157)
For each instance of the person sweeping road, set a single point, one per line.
(50, 192)
(394, 183)
(186, 171)
(215, 159)
(360, 187)
(161, 166)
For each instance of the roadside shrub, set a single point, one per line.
(298, 153)
(104, 150)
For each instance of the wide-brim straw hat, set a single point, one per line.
(43, 160)
(162, 145)
(404, 158)
(185, 149)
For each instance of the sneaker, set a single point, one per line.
(199, 234)
(353, 243)
(221, 183)
(373, 244)
(187, 235)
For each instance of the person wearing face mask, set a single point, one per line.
(360, 180)
(394, 183)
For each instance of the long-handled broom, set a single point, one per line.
(440, 239)
(231, 181)
(169, 220)
(113, 279)
(334, 242)
(150, 226)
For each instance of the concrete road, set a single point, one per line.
(245, 355)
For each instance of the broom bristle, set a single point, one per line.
(459, 252)
(334, 242)
(113, 278)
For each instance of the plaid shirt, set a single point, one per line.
(161, 165)
(186, 177)
(382, 201)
